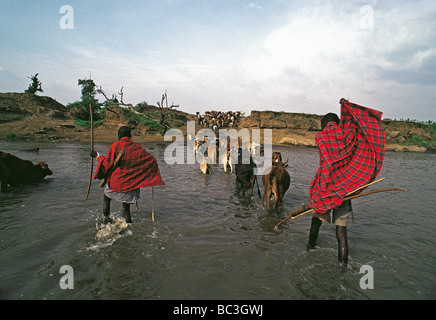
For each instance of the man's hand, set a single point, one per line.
(93, 154)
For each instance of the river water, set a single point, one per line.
(210, 242)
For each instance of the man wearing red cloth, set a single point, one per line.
(136, 169)
(351, 152)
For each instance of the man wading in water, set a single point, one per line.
(136, 169)
(351, 152)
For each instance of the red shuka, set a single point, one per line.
(351, 156)
(136, 169)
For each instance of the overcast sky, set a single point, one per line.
(294, 56)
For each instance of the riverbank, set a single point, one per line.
(38, 118)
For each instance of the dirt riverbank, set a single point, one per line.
(39, 118)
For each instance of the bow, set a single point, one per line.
(304, 208)
(92, 148)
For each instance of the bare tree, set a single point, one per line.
(115, 101)
(165, 112)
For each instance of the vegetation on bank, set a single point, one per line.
(411, 132)
(146, 119)
(157, 119)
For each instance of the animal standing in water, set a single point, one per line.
(276, 182)
(245, 175)
(16, 171)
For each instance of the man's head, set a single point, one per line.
(329, 117)
(124, 132)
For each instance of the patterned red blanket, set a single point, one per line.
(137, 168)
(351, 156)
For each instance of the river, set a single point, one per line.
(208, 241)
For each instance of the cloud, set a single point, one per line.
(290, 56)
(324, 53)
(253, 5)
(319, 44)
(315, 52)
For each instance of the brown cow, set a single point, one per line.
(277, 159)
(15, 171)
(276, 182)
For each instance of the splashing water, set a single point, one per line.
(108, 233)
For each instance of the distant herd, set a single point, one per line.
(217, 119)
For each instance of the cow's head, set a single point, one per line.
(44, 167)
(276, 158)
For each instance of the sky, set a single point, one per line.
(293, 56)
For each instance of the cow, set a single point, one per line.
(245, 175)
(16, 171)
(276, 159)
(226, 158)
(276, 182)
(198, 143)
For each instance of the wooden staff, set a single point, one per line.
(112, 168)
(152, 204)
(305, 209)
(92, 159)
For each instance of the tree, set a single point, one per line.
(81, 108)
(88, 95)
(35, 86)
(165, 112)
(88, 88)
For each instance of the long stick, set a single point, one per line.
(92, 148)
(152, 204)
(297, 213)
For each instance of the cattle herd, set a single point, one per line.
(16, 171)
(217, 119)
(276, 182)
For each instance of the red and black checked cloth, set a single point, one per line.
(136, 169)
(351, 156)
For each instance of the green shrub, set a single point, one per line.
(10, 136)
(142, 119)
